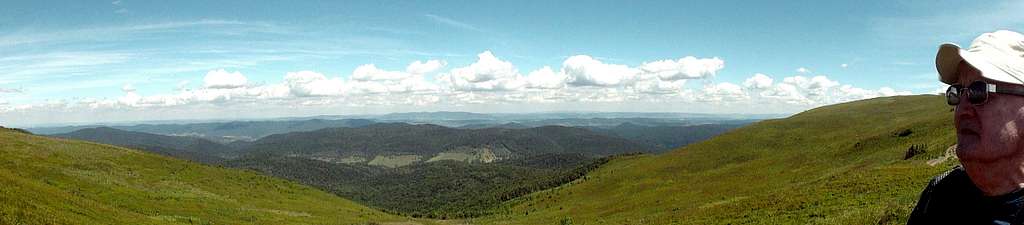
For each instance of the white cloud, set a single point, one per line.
(786, 93)
(584, 70)
(815, 91)
(723, 93)
(803, 70)
(659, 86)
(545, 78)
(813, 87)
(488, 73)
(222, 79)
(844, 65)
(429, 66)
(308, 83)
(582, 82)
(685, 68)
(368, 79)
(758, 81)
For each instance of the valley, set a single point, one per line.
(418, 170)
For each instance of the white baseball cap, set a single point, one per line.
(998, 55)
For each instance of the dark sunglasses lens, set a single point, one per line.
(953, 95)
(977, 92)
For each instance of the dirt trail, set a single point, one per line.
(950, 153)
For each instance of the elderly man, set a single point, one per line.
(987, 89)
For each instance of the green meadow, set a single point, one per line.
(54, 181)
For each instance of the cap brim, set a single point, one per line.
(946, 62)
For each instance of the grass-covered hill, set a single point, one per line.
(839, 164)
(46, 180)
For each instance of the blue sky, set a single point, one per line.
(102, 61)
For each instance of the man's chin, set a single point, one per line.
(967, 148)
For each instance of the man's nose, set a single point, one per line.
(965, 109)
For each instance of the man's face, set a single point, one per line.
(989, 131)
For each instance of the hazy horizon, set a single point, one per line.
(682, 115)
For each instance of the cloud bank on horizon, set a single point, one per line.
(89, 62)
(488, 81)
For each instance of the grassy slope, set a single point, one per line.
(54, 181)
(838, 164)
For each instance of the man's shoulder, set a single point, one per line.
(947, 195)
(955, 178)
(953, 185)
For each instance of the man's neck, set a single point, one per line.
(997, 177)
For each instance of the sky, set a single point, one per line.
(74, 62)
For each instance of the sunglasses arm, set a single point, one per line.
(1006, 89)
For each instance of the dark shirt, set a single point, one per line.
(952, 198)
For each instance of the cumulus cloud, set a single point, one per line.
(786, 93)
(429, 66)
(723, 93)
(308, 83)
(758, 81)
(817, 90)
(488, 73)
(815, 86)
(222, 79)
(803, 70)
(583, 70)
(368, 79)
(545, 78)
(685, 68)
(659, 86)
(582, 80)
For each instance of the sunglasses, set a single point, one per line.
(977, 92)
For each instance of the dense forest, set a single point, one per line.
(444, 189)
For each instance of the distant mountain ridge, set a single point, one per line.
(397, 144)
(429, 141)
(191, 148)
(225, 132)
